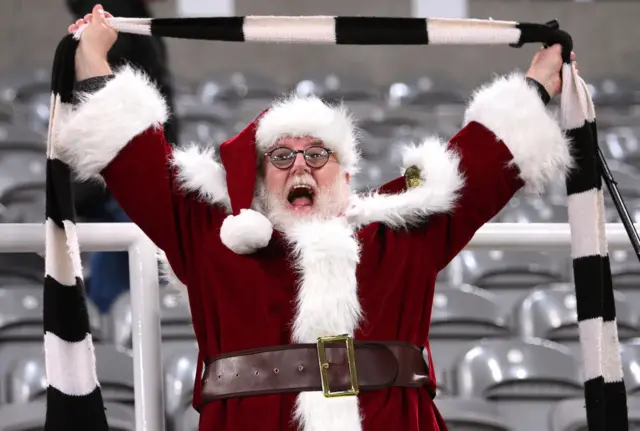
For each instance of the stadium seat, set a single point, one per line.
(462, 315)
(22, 171)
(115, 374)
(550, 312)
(509, 274)
(190, 420)
(180, 361)
(523, 377)
(630, 357)
(22, 372)
(21, 269)
(467, 414)
(175, 318)
(32, 416)
(569, 415)
(21, 314)
(19, 137)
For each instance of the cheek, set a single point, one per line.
(326, 177)
(274, 180)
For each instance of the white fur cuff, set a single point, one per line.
(105, 121)
(514, 112)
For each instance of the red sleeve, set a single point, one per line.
(510, 141)
(115, 134)
(490, 182)
(145, 184)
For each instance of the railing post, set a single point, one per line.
(147, 354)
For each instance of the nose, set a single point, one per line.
(299, 162)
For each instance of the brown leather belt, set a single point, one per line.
(296, 368)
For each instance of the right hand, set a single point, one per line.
(95, 42)
(546, 68)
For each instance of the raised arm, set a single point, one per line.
(509, 141)
(114, 134)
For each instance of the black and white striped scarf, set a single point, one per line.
(74, 397)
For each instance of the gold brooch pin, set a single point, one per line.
(412, 176)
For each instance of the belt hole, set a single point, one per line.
(257, 372)
(275, 370)
(219, 376)
(237, 375)
(300, 368)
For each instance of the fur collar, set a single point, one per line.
(198, 171)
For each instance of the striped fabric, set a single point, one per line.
(604, 388)
(74, 396)
(74, 400)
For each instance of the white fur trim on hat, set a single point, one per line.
(309, 116)
(247, 232)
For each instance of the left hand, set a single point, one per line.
(546, 68)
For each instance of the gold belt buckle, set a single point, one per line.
(324, 366)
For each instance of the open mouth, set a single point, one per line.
(301, 196)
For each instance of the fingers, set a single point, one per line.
(98, 14)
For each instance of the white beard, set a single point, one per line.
(329, 202)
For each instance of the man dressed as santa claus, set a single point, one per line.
(311, 304)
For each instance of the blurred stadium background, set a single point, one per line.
(504, 331)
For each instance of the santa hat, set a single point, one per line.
(247, 230)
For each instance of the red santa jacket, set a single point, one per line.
(370, 274)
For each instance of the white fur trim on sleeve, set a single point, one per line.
(438, 193)
(105, 121)
(309, 116)
(199, 172)
(247, 232)
(512, 109)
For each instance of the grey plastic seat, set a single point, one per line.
(247, 94)
(32, 416)
(360, 96)
(524, 209)
(523, 377)
(391, 127)
(21, 314)
(550, 312)
(23, 375)
(21, 170)
(180, 362)
(22, 367)
(20, 137)
(190, 420)
(175, 318)
(569, 415)
(114, 369)
(29, 207)
(467, 414)
(424, 92)
(373, 174)
(509, 274)
(21, 269)
(460, 316)
(630, 357)
(16, 85)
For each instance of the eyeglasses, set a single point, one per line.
(284, 158)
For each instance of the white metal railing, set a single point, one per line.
(145, 301)
(148, 378)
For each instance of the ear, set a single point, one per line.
(347, 177)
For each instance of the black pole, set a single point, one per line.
(611, 183)
(626, 219)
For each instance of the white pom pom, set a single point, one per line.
(246, 232)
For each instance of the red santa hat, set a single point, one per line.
(247, 230)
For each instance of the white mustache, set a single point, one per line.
(302, 180)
